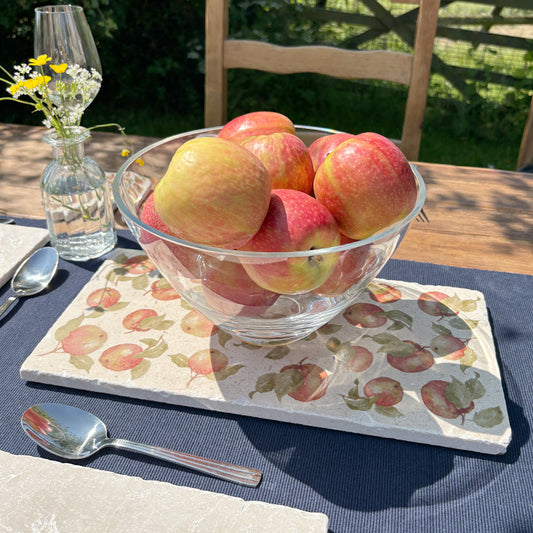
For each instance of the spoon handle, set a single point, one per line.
(5, 306)
(237, 474)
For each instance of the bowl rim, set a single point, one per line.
(133, 218)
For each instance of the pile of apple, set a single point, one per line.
(257, 187)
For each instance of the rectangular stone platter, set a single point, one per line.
(447, 393)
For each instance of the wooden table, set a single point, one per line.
(479, 218)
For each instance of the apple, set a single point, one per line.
(214, 192)
(448, 346)
(314, 381)
(384, 293)
(320, 148)
(351, 267)
(367, 184)
(434, 304)
(172, 256)
(121, 357)
(365, 315)
(294, 222)
(286, 159)
(388, 390)
(420, 360)
(229, 289)
(433, 395)
(256, 123)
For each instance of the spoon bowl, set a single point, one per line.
(33, 275)
(72, 433)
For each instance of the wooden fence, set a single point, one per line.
(381, 21)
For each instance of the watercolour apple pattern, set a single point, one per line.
(373, 358)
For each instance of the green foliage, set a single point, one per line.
(153, 77)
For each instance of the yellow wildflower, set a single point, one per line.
(139, 161)
(125, 152)
(32, 83)
(41, 60)
(59, 69)
(14, 88)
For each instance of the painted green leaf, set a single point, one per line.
(64, 331)
(286, 382)
(279, 352)
(155, 322)
(359, 404)
(388, 410)
(332, 344)
(264, 383)
(97, 312)
(329, 329)
(399, 316)
(488, 418)
(223, 337)
(149, 342)
(345, 352)
(140, 282)
(185, 305)
(82, 362)
(458, 394)
(398, 349)
(463, 323)
(120, 259)
(118, 306)
(141, 369)
(384, 338)
(180, 360)
(311, 337)
(225, 373)
(153, 352)
(476, 388)
(440, 329)
(467, 305)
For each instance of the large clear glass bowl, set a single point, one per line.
(213, 280)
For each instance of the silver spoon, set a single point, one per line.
(33, 275)
(75, 434)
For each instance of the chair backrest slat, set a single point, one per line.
(412, 70)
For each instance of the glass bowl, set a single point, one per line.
(214, 280)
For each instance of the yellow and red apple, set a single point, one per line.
(214, 192)
(255, 123)
(367, 184)
(294, 222)
(286, 159)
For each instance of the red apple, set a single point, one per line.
(367, 184)
(170, 256)
(389, 391)
(214, 192)
(314, 381)
(230, 290)
(295, 222)
(323, 146)
(121, 357)
(434, 303)
(256, 123)
(286, 159)
(351, 267)
(420, 360)
(384, 293)
(365, 315)
(434, 397)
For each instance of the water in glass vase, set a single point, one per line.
(77, 200)
(80, 225)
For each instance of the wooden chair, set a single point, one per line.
(412, 70)
(525, 154)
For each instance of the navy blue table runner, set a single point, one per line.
(362, 483)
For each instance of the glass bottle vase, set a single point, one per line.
(76, 198)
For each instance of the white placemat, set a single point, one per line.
(128, 333)
(16, 244)
(42, 495)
